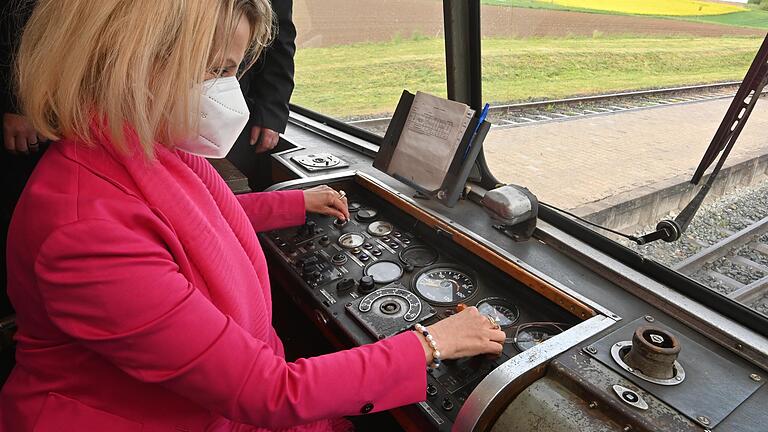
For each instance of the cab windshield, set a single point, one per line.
(602, 108)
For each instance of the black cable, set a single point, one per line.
(627, 236)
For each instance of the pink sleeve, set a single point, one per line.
(120, 294)
(273, 210)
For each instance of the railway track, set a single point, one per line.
(523, 114)
(736, 266)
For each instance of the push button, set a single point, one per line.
(366, 408)
(447, 404)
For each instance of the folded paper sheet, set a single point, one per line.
(429, 141)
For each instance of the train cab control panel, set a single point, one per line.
(383, 270)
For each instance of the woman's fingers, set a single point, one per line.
(492, 347)
(340, 203)
(333, 211)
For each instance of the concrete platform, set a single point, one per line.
(591, 164)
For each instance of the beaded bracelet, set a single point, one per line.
(432, 344)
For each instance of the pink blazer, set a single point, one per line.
(143, 304)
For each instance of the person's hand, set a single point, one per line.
(464, 334)
(327, 201)
(18, 135)
(263, 138)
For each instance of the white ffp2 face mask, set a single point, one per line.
(223, 115)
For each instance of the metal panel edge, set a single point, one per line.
(492, 389)
(311, 181)
(727, 333)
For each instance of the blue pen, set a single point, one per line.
(483, 115)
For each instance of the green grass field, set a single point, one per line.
(367, 79)
(752, 18)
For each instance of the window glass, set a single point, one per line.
(596, 148)
(355, 58)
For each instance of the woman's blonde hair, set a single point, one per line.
(127, 64)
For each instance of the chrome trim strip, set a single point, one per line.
(474, 414)
(334, 135)
(312, 181)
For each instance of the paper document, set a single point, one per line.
(429, 141)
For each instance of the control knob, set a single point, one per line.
(345, 285)
(366, 285)
(310, 271)
(324, 241)
(310, 228)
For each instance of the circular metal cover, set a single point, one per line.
(616, 351)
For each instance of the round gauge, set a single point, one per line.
(528, 337)
(502, 311)
(444, 285)
(380, 228)
(351, 240)
(418, 256)
(354, 206)
(384, 271)
(366, 214)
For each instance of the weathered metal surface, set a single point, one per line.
(494, 393)
(594, 383)
(713, 388)
(654, 352)
(548, 406)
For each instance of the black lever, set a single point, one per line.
(735, 118)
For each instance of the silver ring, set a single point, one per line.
(342, 194)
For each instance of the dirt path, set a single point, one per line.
(323, 23)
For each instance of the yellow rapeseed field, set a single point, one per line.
(653, 7)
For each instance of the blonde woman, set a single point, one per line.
(141, 291)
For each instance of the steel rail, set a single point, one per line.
(727, 248)
(383, 121)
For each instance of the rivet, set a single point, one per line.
(649, 318)
(679, 378)
(627, 428)
(592, 350)
(629, 369)
(739, 346)
(756, 377)
(593, 404)
(703, 420)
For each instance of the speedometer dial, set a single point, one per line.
(444, 285)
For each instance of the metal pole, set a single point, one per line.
(462, 51)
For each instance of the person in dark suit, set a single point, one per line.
(267, 87)
(20, 148)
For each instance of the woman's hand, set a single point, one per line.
(327, 201)
(467, 333)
